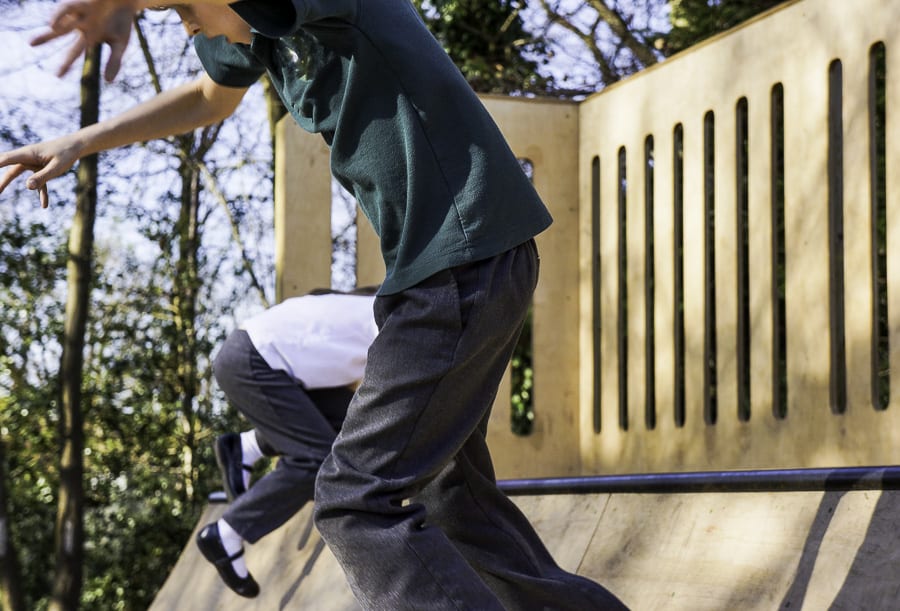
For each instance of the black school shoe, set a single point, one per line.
(230, 459)
(210, 544)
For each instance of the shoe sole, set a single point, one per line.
(230, 493)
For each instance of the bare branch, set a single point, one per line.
(194, 158)
(622, 30)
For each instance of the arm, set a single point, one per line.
(176, 111)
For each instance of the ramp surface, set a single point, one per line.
(696, 551)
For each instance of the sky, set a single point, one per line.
(49, 105)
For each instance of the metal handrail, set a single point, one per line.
(764, 480)
(767, 480)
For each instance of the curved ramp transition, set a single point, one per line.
(692, 551)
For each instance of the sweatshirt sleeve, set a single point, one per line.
(230, 65)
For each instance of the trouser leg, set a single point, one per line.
(330, 402)
(288, 424)
(499, 542)
(417, 426)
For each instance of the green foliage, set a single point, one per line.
(697, 20)
(32, 269)
(522, 382)
(149, 465)
(488, 42)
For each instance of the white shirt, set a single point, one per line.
(320, 340)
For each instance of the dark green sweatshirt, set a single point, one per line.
(408, 136)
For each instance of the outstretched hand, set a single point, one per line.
(95, 21)
(46, 159)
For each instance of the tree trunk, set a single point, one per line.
(11, 598)
(185, 305)
(69, 534)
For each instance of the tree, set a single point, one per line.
(70, 517)
(11, 596)
(598, 42)
(595, 43)
(152, 459)
(696, 20)
(489, 43)
(148, 404)
(32, 267)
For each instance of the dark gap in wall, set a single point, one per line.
(710, 399)
(522, 374)
(838, 349)
(881, 350)
(649, 290)
(779, 260)
(678, 265)
(622, 330)
(742, 153)
(595, 287)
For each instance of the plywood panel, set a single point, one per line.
(302, 212)
(546, 134)
(792, 46)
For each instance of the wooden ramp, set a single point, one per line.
(837, 549)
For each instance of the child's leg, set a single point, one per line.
(431, 378)
(332, 403)
(288, 422)
(497, 540)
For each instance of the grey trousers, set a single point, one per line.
(407, 499)
(293, 423)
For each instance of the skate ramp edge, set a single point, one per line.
(693, 551)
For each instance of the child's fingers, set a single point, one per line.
(45, 37)
(39, 179)
(17, 170)
(114, 62)
(10, 175)
(75, 51)
(63, 22)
